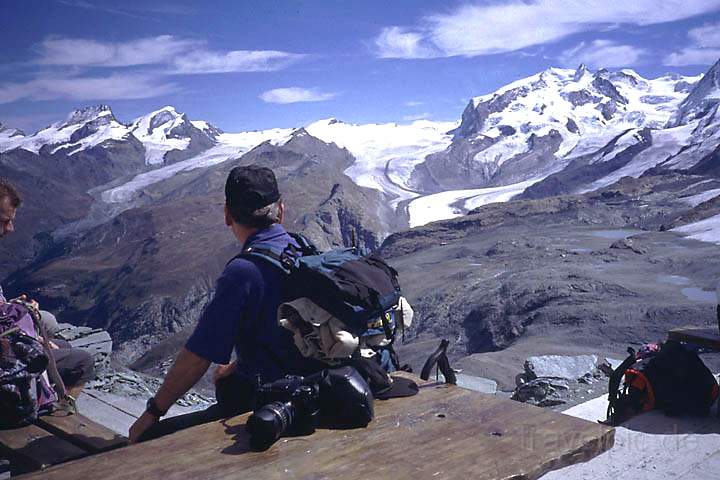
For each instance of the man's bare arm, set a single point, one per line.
(187, 370)
(184, 374)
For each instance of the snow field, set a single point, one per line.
(444, 205)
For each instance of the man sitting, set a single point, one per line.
(75, 366)
(242, 316)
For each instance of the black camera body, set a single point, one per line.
(288, 406)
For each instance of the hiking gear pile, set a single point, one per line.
(294, 405)
(25, 389)
(666, 376)
(339, 304)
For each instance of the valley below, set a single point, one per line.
(575, 275)
(568, 213)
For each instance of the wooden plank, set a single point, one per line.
(708, 337)
(111, 416)
(81, 431)
(443, 432)
(34, 448)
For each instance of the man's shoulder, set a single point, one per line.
(241, 267)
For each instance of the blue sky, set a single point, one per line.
(245, 65)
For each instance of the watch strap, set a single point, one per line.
(153, 409)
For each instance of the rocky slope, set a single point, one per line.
(57, 167)
(578, 274)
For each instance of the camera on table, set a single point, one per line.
(288, 406)
(336, 398)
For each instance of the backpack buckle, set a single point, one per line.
(288, 257)
(287, 262)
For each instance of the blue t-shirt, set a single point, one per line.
(243, 315)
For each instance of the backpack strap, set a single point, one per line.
(614, 386)
(52, 370)
(307, 247)
(286, 260)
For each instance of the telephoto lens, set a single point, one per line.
(268, 423)
(288, 406)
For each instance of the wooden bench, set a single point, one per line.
(707, 337)
(54, 439)
(443, 432)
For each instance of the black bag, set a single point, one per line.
(22, 361)
(673, 379)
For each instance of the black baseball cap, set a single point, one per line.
(251, 187)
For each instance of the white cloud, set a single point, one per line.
(113, 87)
(704, 48)
(473, 30)
(396, 42)
(182, 56)
(203, 61)
(134, 11)
(295, 95)
(129, 62)
(692, 56)
(602, 53)
(83, 52)
(707, 36)
(414, 103)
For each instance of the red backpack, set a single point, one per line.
(668, 377)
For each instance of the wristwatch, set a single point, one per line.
(153, 409)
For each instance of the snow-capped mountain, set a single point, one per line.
(159, 132)
(687, 143)
(532, 127)
(7, 132)
(386, 154)
(166, 130)
(226, 147)
(564, 131)
(701, 100)
(82, 129)
(559, 131)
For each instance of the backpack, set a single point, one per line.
(24, 386)
(358, 295)
(669, 377)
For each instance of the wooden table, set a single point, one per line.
(54, 439)
(443, 432)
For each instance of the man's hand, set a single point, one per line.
(185, 372)
(223, 371)
(53, 345)
(140, 426)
